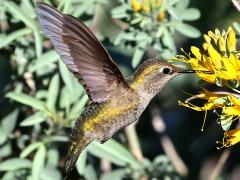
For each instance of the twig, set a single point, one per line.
(168, 147)
(133, 142)
(220, 164)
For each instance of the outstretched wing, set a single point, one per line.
(82, 53)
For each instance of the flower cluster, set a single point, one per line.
(220, 58)
(149, 7)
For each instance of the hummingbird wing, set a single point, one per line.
(82, 53)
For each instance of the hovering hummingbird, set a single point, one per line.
(116, 102)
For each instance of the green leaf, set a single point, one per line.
(82, 9)
(52, 157)
(187, 30)
(81, 162)
(5, 150)
(30, 148)
(18, 13)
(7, 125)
(78, 107)
(114, 152)
(168, 39)
(90, 173)
(9, 122)
(38, 162)
(38, 43)
(182, 4)
(137, 57)
(8, 39)
(53, 90)
(26, 99)
(33, 119)
(45, 59)
(118, 174)
(190, 14)
(67, 77)
(15, 164)
(50, 173)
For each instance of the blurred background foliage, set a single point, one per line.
(40, 99)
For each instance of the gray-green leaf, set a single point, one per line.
(15, 164)
(26, 99)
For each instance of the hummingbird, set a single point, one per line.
(116, 101)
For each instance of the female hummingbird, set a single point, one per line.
(115, 101)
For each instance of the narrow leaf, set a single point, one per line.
(30, 148)
(9, 122)
(26, 99)
(15, 164)
(190, 14)
(38, 162)
(67, 77)
(81, 162)
(8, 39)
(187, 30)
(33, 120)
(38, 43)
(53, 90)
(20, 14)
(114, 152)
(45, 59)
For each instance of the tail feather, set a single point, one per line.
(76, 147)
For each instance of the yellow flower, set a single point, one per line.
(161, 16)
(231, 138)
(211, 103)
(135, 5)
(219, 56)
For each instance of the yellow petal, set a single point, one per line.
(231, 71)
(196, 52)
(207, 77)
(217, 32)
(135, 5)
(215, 57)
(235, 61)
(222, 44)
(213, 36)
(205, 46)
(231, 40)
(234, 100)
(207, 38)
(231, 111)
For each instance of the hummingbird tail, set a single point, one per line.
(76, 147)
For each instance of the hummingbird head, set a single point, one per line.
(152, 75)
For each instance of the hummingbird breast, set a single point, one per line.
(101, 121)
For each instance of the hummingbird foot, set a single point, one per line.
(104, 140)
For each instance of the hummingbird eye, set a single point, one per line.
(166, 70)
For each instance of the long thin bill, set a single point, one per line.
(194, 71)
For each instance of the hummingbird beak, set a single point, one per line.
(193, 71)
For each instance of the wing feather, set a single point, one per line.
(82, 53)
